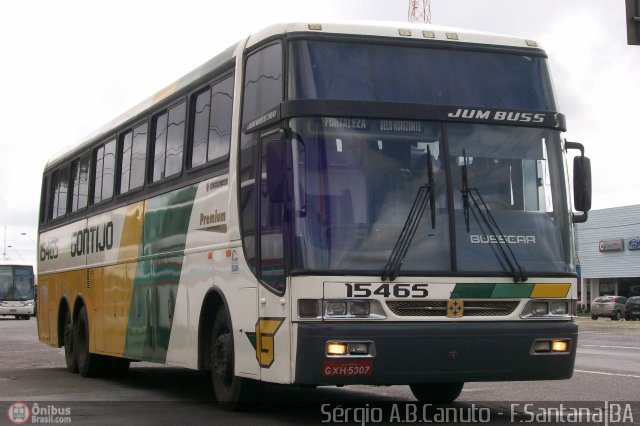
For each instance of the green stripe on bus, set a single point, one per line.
(155, 287)
(472, 291)
(512, 291)
(491, 291)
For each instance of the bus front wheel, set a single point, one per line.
(232, 392)
(438, 393)
(69, 353)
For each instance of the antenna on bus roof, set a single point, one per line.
(420, 11)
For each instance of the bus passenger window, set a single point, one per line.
(80, 184)
(221, 112)
(169, 138)
(105, 161)
(212, 123)
(59, 191)
(133, 154)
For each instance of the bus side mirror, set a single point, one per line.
(581, 183)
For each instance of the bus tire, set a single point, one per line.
(89, 365)
(438, 393)
(69, 353)
(233, 393)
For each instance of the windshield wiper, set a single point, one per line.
(425, 195)
(517, 271)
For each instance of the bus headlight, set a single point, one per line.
(359, 307)
(559, 308)
(552, 308)
(336, 308)
(340, 309)
(309, 308)
(540, 308)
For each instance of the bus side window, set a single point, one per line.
(79, 184)
(169, 141)
(59, 191)
(213, 109)
(133, 155)
(105, 161)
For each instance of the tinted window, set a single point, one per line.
(175, 139)
(138, 156)
(263, 82)
(221, 113)
(168, 143)
(80, 184)
(200, 128)
(159, 147)
(59, 191)
(105, 161)
(133, 156)
(212, 123)
(368, 72)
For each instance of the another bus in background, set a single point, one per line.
(17, 291)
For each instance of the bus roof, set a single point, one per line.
(398, 30)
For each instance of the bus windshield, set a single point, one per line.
(355, 180)
(16, 283)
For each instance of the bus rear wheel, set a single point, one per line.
(232, 392)
(69, 353)
(438, 393)
(89, 365)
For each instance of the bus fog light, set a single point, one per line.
(308, 308)
(559, 308)
(560, 346)
(336, 348)
(359, 307)
(542, 346)
(540, 308)
(359, 348)
(336, 308)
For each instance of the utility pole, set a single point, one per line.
(4, 251)
(420, 11)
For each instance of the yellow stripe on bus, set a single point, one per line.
(118, 284)
(550, 291)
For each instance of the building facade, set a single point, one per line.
(608, 250)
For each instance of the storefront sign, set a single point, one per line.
(633, 243)
(611, 245)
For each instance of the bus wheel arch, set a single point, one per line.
(216, 354)
(63, 311)
(212, 303)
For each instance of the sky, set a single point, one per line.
(69, 66)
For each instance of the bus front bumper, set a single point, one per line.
(430, 352)
(17, 311)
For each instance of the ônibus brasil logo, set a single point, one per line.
(19, 413)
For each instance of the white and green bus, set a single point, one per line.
(324, 204)
(17, 291)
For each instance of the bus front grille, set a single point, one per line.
(438, 308)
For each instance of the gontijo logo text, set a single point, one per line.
(94, 239)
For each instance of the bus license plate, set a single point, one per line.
(13, 311)
(347, 368)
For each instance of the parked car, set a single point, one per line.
(613, 307)
(633, 308)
